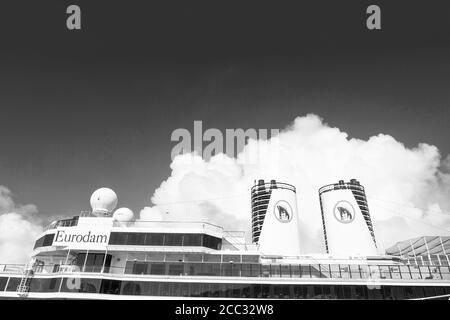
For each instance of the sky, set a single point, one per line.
(96, 107)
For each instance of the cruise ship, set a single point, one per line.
(108, 254)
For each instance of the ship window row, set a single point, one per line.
(226, 290)
(45, 241)
(165, 239)
(99, 262)
(289, 271)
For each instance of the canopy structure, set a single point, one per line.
(421, 246)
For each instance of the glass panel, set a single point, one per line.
(154, 239)
(215, 290)
(157, 268)
(136, 256)
(425, 273)
(444, 260)
(305, 271)
(174, 257)
(280, 291)
(395, 272)
(275, 270)
(355, 271)
(315, 273)
(295, 271)
(365, 272)
(154, 289)
(435, 274)
(211, 242)
(193, 257)
(265, 270)
(210, 269)
(110, 286)
(173, 239)
(212, 258)
(118, 238)
(256, 270)
(415, 272)
(300, 292)
(252, 258)
(194, 289)
(176, 269)
(405, 272)
(131, 288)
(155, 256)
(81, 285)
(175, 289)
(246, 270)
(285, 271)
(385, 274)
(184, 289)
(45, 285)
(3, 281)
(136, 239)
(445, 271)
(231, 258)
(193, 268)
(192, 240)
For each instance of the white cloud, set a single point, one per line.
(19, 229)
(408, 188)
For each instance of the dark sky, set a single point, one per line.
(96, 107)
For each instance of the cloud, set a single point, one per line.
(19, 229)
(408, 188)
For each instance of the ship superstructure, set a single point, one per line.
(108, 254)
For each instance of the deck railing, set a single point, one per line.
(231, 269)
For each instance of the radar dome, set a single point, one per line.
(123, 215)
(103, 201)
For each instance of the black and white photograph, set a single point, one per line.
(218, 157)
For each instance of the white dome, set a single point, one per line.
(123, 215)
(103, 200)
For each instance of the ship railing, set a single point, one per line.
(373, 274)
(171, 224)
(12, 268)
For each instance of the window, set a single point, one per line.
(157, 268)
(285, 271)
(212, 242)
(136, 239)
(84, 285)
(110, 286)
(212, 257)
(231, 258)
(131, 288)
(140, 267)
(173, 239)
(45, 285)
(174, 257)
(194, 240)
(155, 256)
(252, 258)
(119, 238)
(48, 240)
(176, 269)
(154, 239)
(3, 282)
(45, 241)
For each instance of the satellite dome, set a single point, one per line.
(123, 215)
(103, 201)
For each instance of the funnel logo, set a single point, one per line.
(344, 212)
(283, 211)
